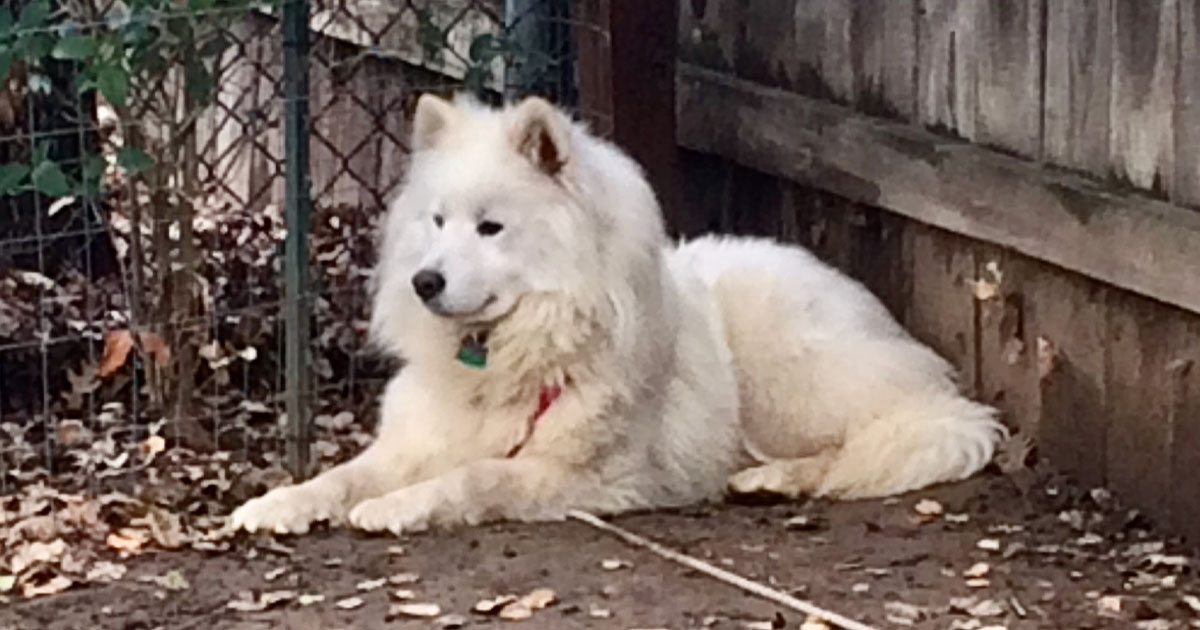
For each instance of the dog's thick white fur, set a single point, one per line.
(684, 371)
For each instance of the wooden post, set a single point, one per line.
(627, 84)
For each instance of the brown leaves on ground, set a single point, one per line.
(119, 343)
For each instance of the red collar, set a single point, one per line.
(546, 398)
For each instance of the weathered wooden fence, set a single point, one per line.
(1017, 179)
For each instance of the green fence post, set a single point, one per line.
(298, 204)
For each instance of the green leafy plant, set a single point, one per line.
(130, 53)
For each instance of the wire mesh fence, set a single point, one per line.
(147, 179)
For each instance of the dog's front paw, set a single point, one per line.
(407, 510)
(288, 510)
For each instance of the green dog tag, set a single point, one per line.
(473, 351)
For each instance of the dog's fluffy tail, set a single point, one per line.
(935, 439)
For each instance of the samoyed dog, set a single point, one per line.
(561, 354)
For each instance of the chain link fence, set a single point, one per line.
(153, 156)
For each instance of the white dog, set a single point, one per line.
(561, 354)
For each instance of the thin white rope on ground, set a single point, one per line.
(727, 577)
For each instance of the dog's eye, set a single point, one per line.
(489, 228)
(438, 220)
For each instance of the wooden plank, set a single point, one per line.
(1007, 347)
(1145, 63)
(1138, 386)
(878, 257)
(1184, 374)
(947, 97)
(1078, 82)
(1070, 326)
(1010, 75)
(941, 309)
(1187, 121)
(1129, 241)
(884, 57)
(765, 41)
(631, 45)
(708, 32)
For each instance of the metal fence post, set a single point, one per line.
(297, 211)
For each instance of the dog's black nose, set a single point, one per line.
(428, 284)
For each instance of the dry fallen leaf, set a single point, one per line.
(903, 613)
(928, 507)
(450, 622)
(599, 613)
(56, 584)
(127, 541)
(71, 433)
(153, 445)
(7, 582)
(524, 607)
(105, 571)
(414, 609)
(988, 544)
(1109, 606)
(349, 603)
(404, 578)
(245, 605)
(271, 598)
(370, 585)
(36, 553)
(613, 564)
(308, 599)
(118, 344)
(814, 623)
(489, 606)
(274, 574)
(977, 570)
(403, 593)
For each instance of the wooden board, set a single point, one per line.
(708, 32)
(1139, 393)
(1129, 241)
(1078, 83)
(941, 309)
(1009, 35)
(1006, 345)
(765, 41)
(1142, 116)
(884, 57)
(947, 96)
(1187, 122)
(1069, 325)
(627, 55)
(1184, 374)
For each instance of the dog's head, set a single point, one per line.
(503, 204)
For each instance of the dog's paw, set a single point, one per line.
(287, 510)
(403, 511)
(758, 480)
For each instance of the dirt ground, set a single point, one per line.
(1055, 557)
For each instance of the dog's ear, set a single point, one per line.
(541, 134)
(431, 119)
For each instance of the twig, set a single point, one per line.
(727, 577)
